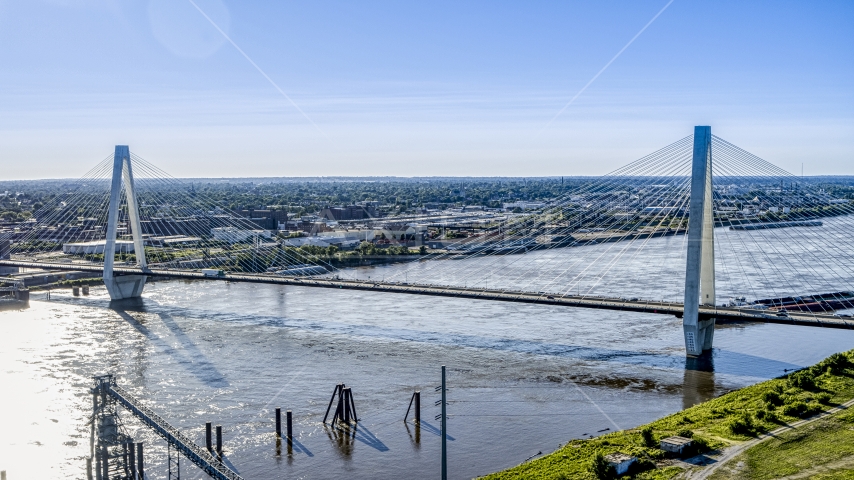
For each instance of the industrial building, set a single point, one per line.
(96, 247)
(237, 235)
(267, 219)
(349, 212)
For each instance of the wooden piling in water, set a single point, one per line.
(219, 441)
(332, 399)
(415, 399)
(131, 459)
(339, 410)
(290, 427)
(352, 405)
(278, 422)
(208, 441)
(418, 406)
(139, 463)
(346, 400)
(346, 407)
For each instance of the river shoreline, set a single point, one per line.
(717, 429)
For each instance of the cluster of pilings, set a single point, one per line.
(76, 290)
(209, 442)
(346, 409)
(345, 416)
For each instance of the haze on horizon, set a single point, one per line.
(418, 89)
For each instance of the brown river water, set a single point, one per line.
(522, 378)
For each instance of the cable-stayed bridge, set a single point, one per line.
(698, 229)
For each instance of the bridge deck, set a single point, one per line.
(721, 314)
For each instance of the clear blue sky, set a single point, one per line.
(419, 88)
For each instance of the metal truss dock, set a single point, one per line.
(199, 456)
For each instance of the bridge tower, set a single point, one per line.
(700, 269)
(123, 286)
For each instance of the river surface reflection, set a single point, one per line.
(522, 378)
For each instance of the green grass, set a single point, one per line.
(845, 474)
(827, 442)
(80, 282)
(732, 418)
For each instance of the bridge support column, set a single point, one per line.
(123, 286)
(700, 268)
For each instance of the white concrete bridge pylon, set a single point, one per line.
(700, 265)
(123, 286)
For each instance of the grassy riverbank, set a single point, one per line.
(823, 449)
(725, 421)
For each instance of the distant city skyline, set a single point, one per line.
(411, 89)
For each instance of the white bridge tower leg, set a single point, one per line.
(700, 268)
(123, 286)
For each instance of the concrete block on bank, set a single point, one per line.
(621, 462)
(676, 444)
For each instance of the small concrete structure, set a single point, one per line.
(676, 444)
(14, 289)
(621, 462)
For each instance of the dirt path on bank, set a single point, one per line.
(728, 454)
(843, 463)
